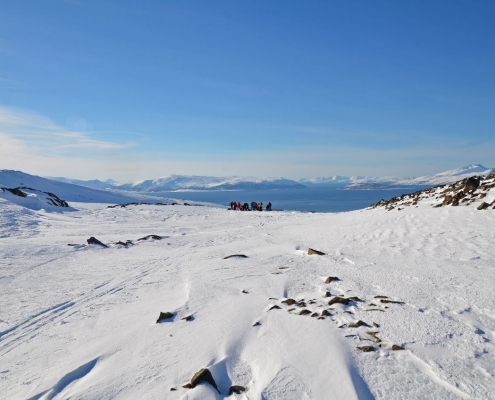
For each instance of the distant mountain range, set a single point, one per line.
(362, 182)
(185, 183)
(111, 191)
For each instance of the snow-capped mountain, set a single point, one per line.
(94, 183)
(449, 176)
(182, 182)
(331, 180)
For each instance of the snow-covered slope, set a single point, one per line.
(181, 182)
(66, 191)
(80, 321)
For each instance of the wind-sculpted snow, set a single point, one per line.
(415, 288)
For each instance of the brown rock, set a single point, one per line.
(339, 300)
(381, 297)
(327, 294)
(331, 279)
(315, 315)
(188, 318)
(366, 349)
(203, 375)
(483, 206)
(289, 302)
(326, 313)
(305, 312)
(315, 252)
(396, 347)
(275, 307)
(357, 324)
(355, 298)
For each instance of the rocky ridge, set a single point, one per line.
(475, 191)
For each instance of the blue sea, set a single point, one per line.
(310, 199)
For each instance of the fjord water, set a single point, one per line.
(310, 199)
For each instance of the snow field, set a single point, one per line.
(79, 322)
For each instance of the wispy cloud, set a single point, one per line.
(41, 135)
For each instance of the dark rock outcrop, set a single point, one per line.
(289, 302)
(164, 316)
(366, 349)
(236, 390)
(93, 240)
(396, 347)
(15, 191)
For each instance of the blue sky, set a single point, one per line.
(133, 90)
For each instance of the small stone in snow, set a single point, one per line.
(315, 252)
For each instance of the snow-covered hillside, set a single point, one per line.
(66, 191)
(400, 306)
(181, 182)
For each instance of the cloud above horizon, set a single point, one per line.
(35, 144)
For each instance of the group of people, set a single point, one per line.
(246, 207)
